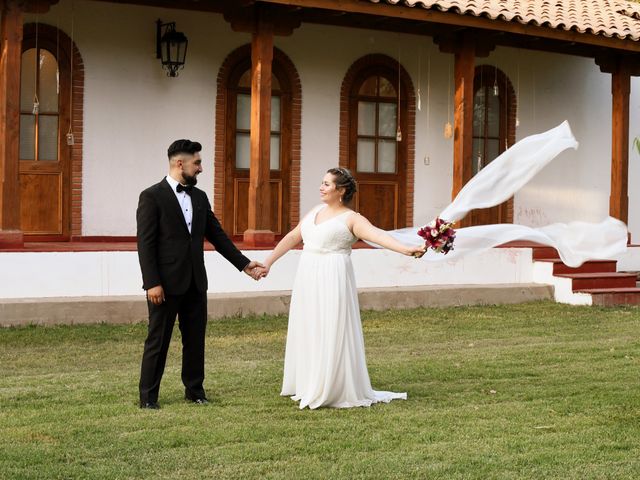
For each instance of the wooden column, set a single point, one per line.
(620, 89)
(10, 64)
(464, 70)
(259, 225)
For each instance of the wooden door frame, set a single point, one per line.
(70, 112)
(234, 65)
(508, 112)
(407, 123)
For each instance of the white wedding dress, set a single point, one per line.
(325, 363)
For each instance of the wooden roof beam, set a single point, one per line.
(244, 19)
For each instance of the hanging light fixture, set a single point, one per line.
(36, 102)
(71, 139)
(398, 130)
(448, 128)
(171, 47)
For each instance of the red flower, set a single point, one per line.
(438, 235)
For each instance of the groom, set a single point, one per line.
(173, 219)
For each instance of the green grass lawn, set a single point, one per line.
(533, 391)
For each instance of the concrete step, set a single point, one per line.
(584, 281)
(592, 266)
(608, 297)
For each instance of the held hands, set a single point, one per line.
(256, 270)
(263, 271)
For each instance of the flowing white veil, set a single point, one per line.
(576, 242)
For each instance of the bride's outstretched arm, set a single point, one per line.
(363, 229)
(290, 240)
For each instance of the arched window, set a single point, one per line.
(50, 179)
(377, 128)
(493, 132)
(233, 114)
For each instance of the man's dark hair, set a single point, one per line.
(183, 146)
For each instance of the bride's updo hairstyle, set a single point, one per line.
(344, 179)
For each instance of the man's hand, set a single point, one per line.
(156, 295)
(262, 271)
(254, 269)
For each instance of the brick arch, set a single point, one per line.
(52, 37)
(488, 75)
(237, 56)
(360, 65)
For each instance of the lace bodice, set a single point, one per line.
(330, 236)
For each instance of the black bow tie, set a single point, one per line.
(184, 188)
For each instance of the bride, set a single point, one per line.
(325, 363)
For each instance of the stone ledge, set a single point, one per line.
(133, 309)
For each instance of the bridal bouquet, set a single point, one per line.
(439, 235)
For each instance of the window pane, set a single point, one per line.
(27, 137)
(274, 160)
(493, 150)
(494, 115)
(48, 137)
(386, 156)
(478, 113)
(366, 155)
(243, 112)
(28, 80)
(48, 94)
(387, 121)
(243, 150)
(369, 87)
(386, 88)
(366, 118)
(476, 156)
(275, 114)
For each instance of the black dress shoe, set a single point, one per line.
(150, 405)
(198, 401)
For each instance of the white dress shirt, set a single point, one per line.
(184, 200)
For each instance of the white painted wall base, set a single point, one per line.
(630, 260)
(95, 274)
(563, 293)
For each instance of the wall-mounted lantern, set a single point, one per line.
(171, 47)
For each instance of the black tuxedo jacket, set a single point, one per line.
(171, 256)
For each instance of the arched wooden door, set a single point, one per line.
(493, 132)
(377, 149)
(237, 158)
(44, 153)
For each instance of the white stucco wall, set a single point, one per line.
(80, 274)
(133, 111)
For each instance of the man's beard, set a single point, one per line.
(189, 179)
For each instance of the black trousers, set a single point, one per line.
(191, 309)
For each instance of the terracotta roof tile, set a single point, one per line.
(609, 18)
